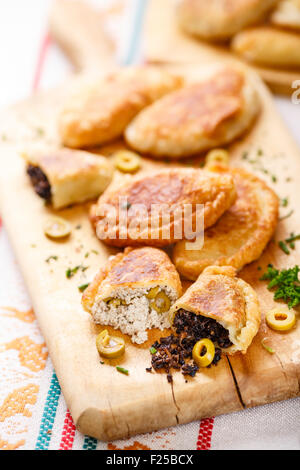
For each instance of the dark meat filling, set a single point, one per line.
(200, 327)
(39, 181)
(175, 351)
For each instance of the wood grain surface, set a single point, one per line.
(104, 403)
(80, 31)
(165, 42)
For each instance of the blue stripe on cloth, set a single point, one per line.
(49, 414)
(136, 35)
(89, 443)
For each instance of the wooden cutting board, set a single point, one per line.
(165, 42)
(104, 403)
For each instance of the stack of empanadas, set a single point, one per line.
(262, 32)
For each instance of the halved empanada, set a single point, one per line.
(196, 118)
(100, 112)
(63, 177)
(229, 302)
(162, 208)
(134, 292)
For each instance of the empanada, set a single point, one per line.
(240, 235)
(287, 14)
(101, 112)
(220, 19)
(161, 208)
(268, 46)
(196, 118)
(63, 177)
(229, 302)
(134, 292)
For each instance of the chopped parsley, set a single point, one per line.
(285, 283)
(122, 370)
(284, 247)
(153, 350)
(70, 272)
(288, 243)
(267, 348)
(83, 287)
(292, 238)
(284, 202)
(55, 258)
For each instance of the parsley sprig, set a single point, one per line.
(288, 243)
(285, 282)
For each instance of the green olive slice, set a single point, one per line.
(110, 347)
(161, 303)
(57, 227)
(152, 292)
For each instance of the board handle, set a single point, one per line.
(78, 29)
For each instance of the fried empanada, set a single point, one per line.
(163, 207)
(268, 46)
(134, 292)
(287, 14)
(63, 176)
(240, 235)
(220, 19)
(101, 112)
(196, 118)
(230, 303)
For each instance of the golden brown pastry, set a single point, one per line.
(287, 14)
(220, 19)
(148, 209)
(196, 118)
(232, 303)
(134, 292)
(100, 113)
(268, 46)
(240, 235)
(63, 176)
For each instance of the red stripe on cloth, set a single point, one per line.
(205, 433)
(41, 61)
(68, 433)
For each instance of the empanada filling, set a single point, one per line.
(39, 181)
(175, 351)
(201, 327)
(134, 311)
